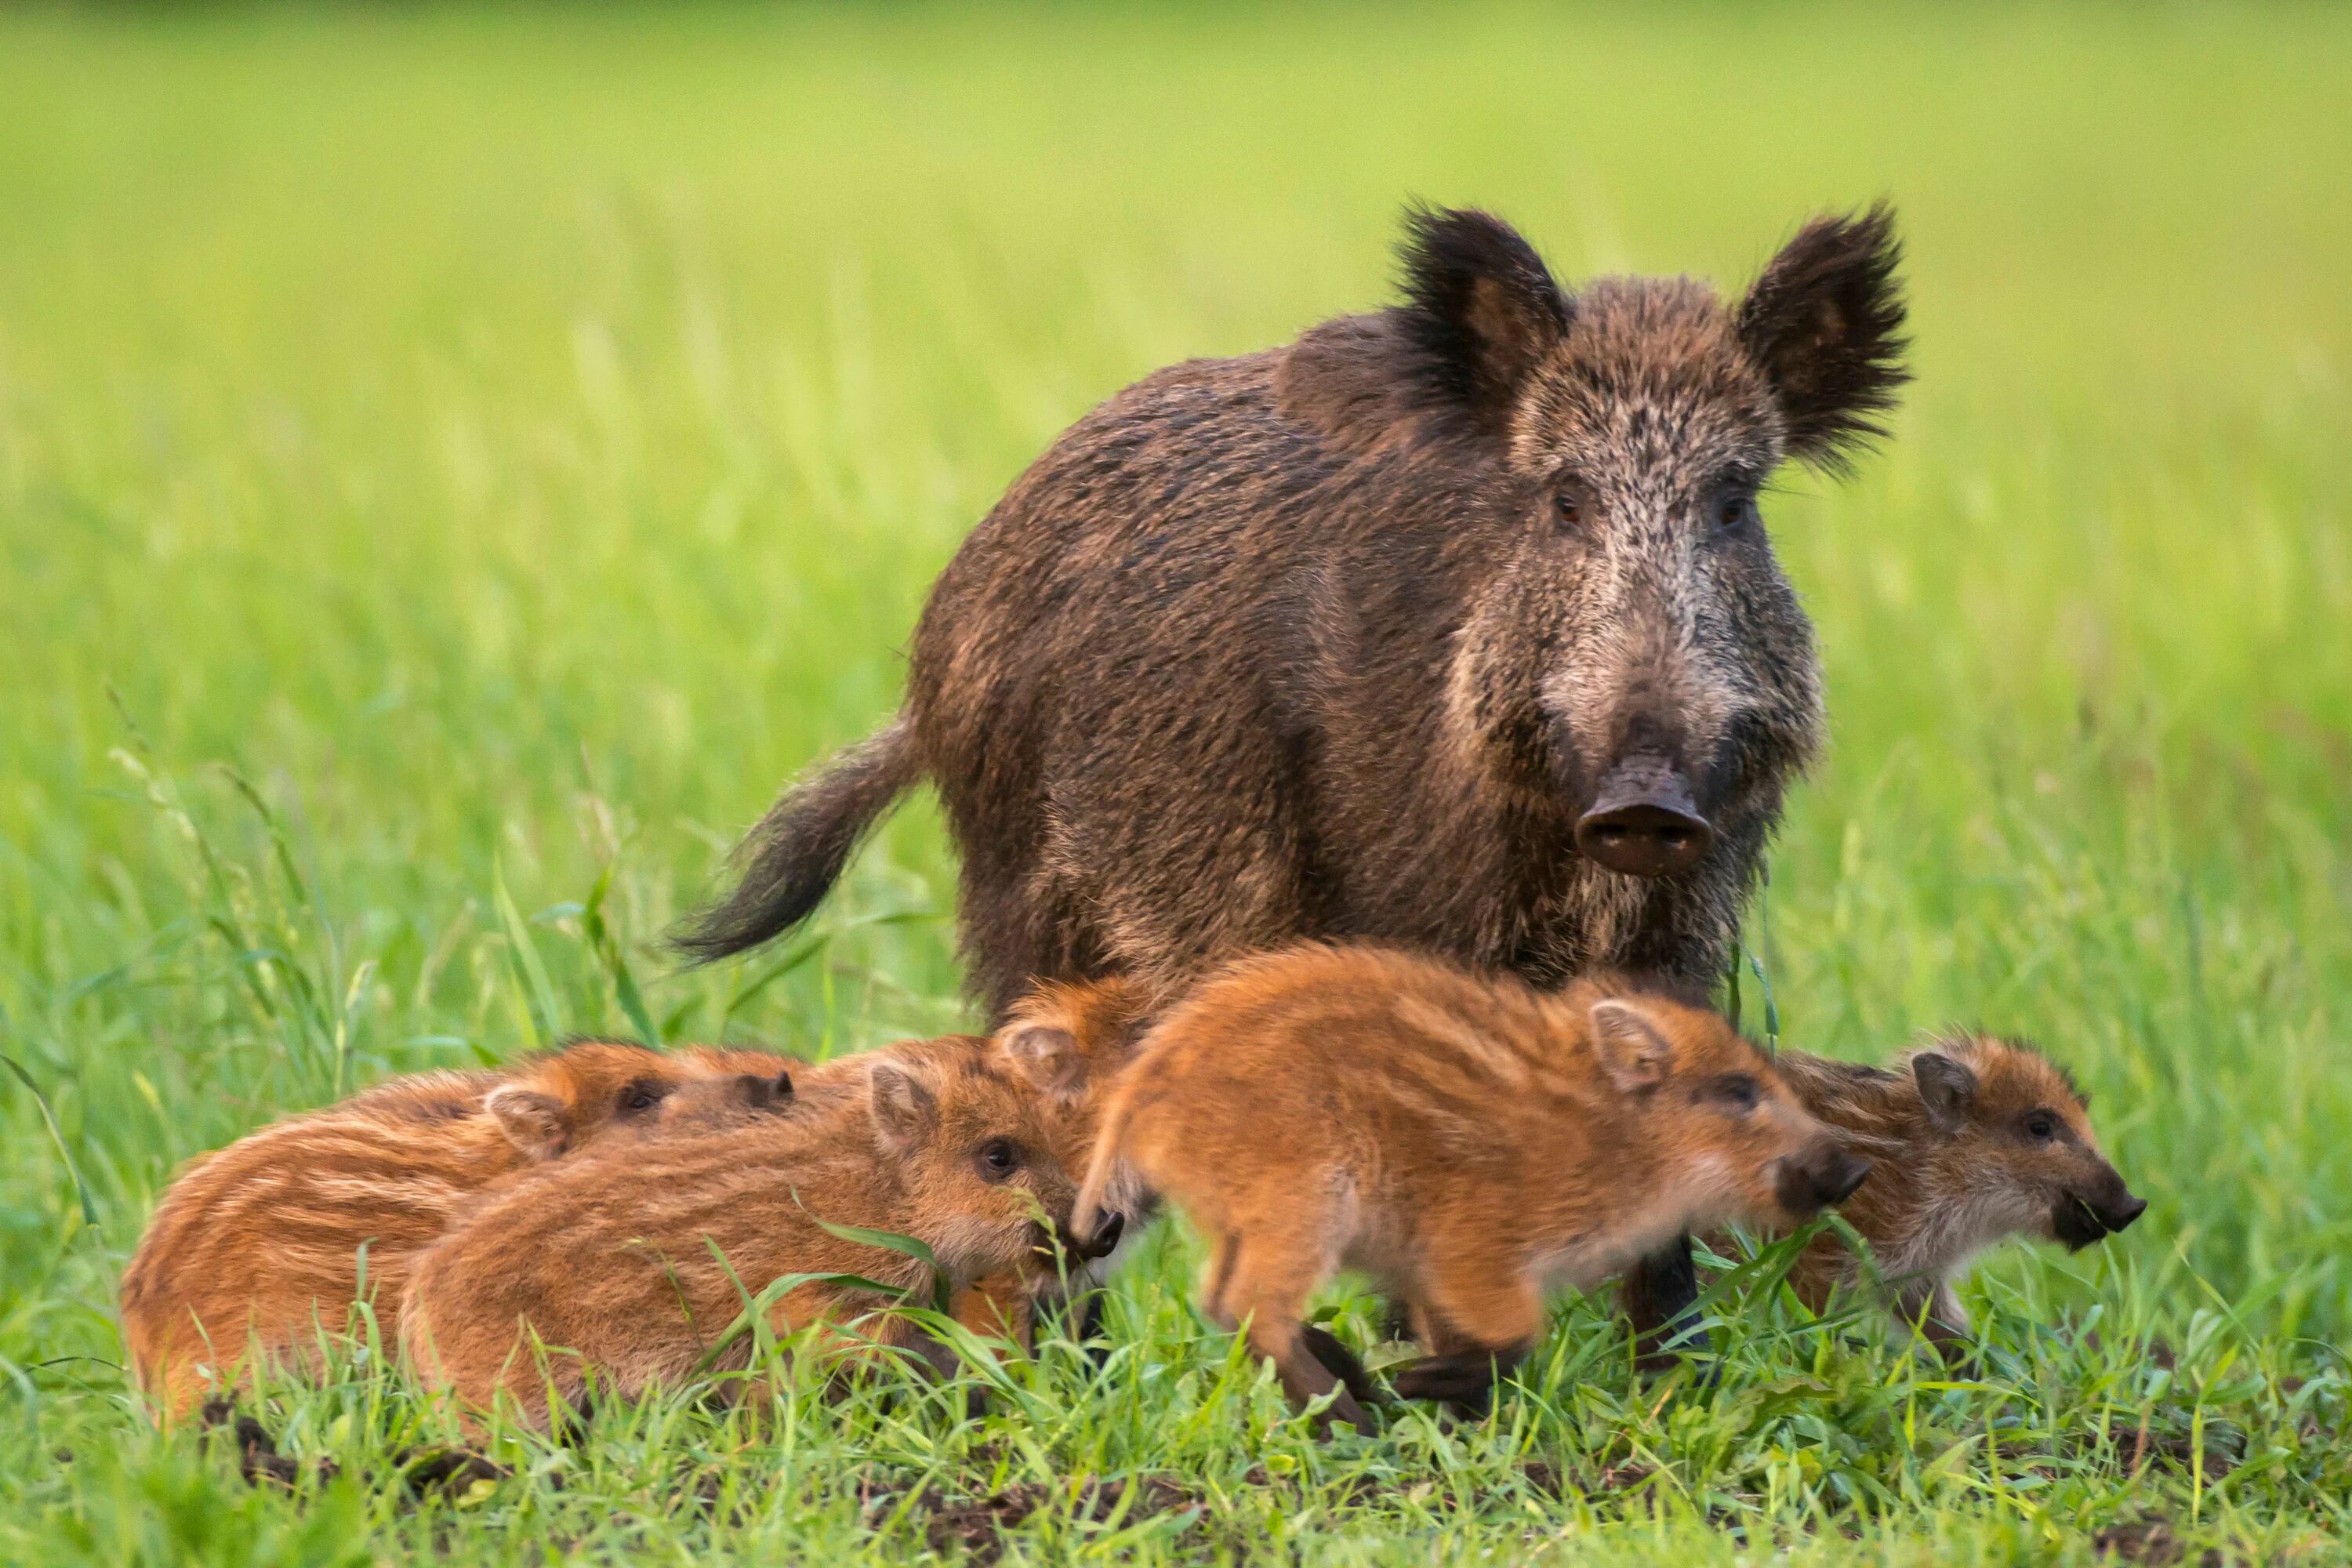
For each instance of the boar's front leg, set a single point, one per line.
(1659, 1291)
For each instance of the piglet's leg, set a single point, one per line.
(1263, 1279)
(1481, 1317)
(998, 1307)
(1464, 1379)
(1937, 1312)
(1341, 1363)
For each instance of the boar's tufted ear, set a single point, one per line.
(1825, 323)
(1047, 1055)
(1481, 309)
(1634, 1052)
(532, 1121)
(905, 1112)
(1946, 1089)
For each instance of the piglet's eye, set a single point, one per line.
(1739, 1090)
(640, 1097)
(999, 1158)
(2041, 1126)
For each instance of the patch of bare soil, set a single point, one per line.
(2147, 1541)
(977, 1525)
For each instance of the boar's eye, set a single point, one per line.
(2041, 1126)
(1571, 502)
(1738, 1090)
(641, 1096)
(1735, 512)
(998, 1159)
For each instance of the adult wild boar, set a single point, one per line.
(1453, 625)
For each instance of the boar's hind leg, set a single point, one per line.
(1660, 1289)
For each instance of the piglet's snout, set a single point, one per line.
(1106, 1237)
(1822, 1175)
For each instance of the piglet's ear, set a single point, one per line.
(764, 1093)
(1480, 308)
(1946, 1089)
(1047, 1055)
(1634, 1052)
(905, 1112)
(532, 1121)
(1825, 323)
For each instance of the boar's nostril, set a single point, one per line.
(2130, 1209)
(1644, 821)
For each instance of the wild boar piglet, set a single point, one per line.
(1973, 1140)
(629, 1267)
(257, 1246)
(1468, 1141)
(1070, 1041)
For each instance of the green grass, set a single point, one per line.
(452, 464)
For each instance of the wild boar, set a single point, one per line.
(1453, 625)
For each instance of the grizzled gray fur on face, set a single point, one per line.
(1453, 624)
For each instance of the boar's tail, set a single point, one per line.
(798, 850)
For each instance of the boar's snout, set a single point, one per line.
(1823, 1174)
(1643, 821)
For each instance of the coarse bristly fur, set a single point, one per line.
(1341, 638)
(1973, 1140)
(259, 1248)
(1465, 1140)
(628, 1268)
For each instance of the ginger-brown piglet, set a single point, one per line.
(259, 1247)
(1973, 1140)
(1467, 1141)
(630, 1267)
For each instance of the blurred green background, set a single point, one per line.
(515, 441)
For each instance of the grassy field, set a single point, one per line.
(454, 466)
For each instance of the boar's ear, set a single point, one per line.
(1481, 309)
(1634, 1052)
(532, 1121)
(905, 1112)
(1825, 323)
(1047, 1055)
(1946, 1089)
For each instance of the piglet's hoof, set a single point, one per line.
(1341, 1363)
